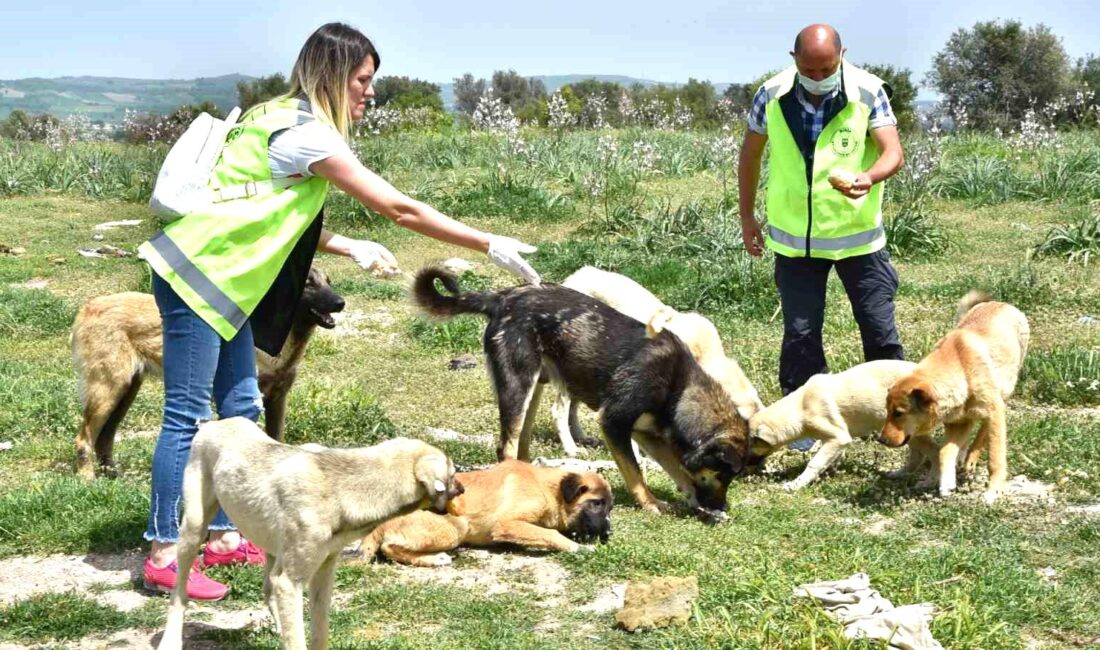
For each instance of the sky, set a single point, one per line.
(722, 41)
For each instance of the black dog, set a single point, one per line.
(648, 389)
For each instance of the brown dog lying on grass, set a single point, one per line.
(965, 379)
(510, 503)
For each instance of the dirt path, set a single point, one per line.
(109, 579)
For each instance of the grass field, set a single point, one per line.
(1022, 573)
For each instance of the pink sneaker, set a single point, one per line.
(199, 587)
(245, 553)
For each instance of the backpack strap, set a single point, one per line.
(255, 188)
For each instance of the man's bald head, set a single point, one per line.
(817, 52)
(817, 37)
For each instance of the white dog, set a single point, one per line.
(698, 333)
(833, 408)
(302, 506)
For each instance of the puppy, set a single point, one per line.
(964, 380)
(302, 506)
(698, 333)
(648, 389)
(116, 343)
(510, 503)
(833, 408)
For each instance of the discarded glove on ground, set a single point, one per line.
(866, 614)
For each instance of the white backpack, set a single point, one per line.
(183, 184)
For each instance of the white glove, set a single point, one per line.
(505, 253)
(373, 257)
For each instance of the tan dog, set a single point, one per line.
(116, 343)
(302, 506)
(696, 331)
(834, 408)
(965, 379)
(510, 503)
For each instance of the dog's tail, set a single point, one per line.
(972, 299)
(427, 297)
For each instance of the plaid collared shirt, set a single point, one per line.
(813, 117)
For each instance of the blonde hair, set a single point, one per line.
(321, 73)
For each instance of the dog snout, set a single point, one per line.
(605, 534)
(886, 440)
(337, 303)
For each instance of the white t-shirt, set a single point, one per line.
(291, 151)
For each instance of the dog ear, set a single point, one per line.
(730, 456)
(695, 459)
(572, 486)
(719, 450)
(922, 399)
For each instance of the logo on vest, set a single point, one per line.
(234, 133)
(844, 142)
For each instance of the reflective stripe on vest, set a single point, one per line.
(198, 281)
(825, 243)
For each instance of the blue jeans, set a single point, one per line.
(198, 366)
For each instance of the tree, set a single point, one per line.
(259, 90)
(17, 126)
(700, 98)
(996, 71)
(151, 127)
(468, 92)
(517, 91)
(1087, 73)
(740, 97)
(903, 95)
(577, 96)
(403, 92)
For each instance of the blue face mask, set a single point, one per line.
(823, 87)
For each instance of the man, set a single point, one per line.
(823, 116)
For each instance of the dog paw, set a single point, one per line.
(990, 496)
(712, 517)
(585, 548)
(792, 486)
(928, 483)
(439, 559)
(897, 474)
(658, 507)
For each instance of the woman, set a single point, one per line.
(223, 275)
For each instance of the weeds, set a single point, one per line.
(1077, 240)
(1065, 376)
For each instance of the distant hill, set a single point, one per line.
(107, 98)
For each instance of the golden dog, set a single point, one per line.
(965, 379)
(510, 503)
(116, 343)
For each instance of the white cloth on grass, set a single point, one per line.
(866, 614)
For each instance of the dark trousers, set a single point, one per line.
(870, 282)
